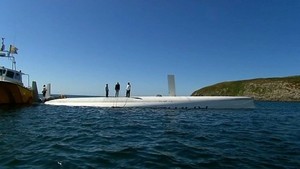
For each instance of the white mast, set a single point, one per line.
(9, 53)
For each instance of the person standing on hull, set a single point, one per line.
(117, 88)
(44, 91)
(128, 88)
(106, 90)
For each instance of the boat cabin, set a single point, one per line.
(10, 75)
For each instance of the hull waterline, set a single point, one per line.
(14, 94)
(186, 102)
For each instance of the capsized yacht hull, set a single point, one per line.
(180, 102)
(11, 93)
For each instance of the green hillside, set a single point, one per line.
(269, 89)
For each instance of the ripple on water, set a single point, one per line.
(81, 137)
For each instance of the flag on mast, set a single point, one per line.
(13, 49)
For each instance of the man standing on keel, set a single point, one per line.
(128, 88)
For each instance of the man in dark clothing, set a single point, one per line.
(106, 90)
(44, 91)
(117, 88)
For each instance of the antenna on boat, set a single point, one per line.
(9, 53)
(3, 46)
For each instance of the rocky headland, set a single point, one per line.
(266, 89)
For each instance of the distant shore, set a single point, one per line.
(264, 89)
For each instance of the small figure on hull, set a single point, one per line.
(106, 90)
(128, 88)
(117, 88)
(44, 91)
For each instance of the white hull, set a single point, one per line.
(180, 102)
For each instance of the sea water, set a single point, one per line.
(44, 136)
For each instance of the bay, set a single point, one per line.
(43, 136)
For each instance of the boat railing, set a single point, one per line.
(28, 80)
(16, 76)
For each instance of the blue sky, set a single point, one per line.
(80, 45)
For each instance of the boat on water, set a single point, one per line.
(12, 89)
(170, 102)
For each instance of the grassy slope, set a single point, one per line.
(282, 89)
